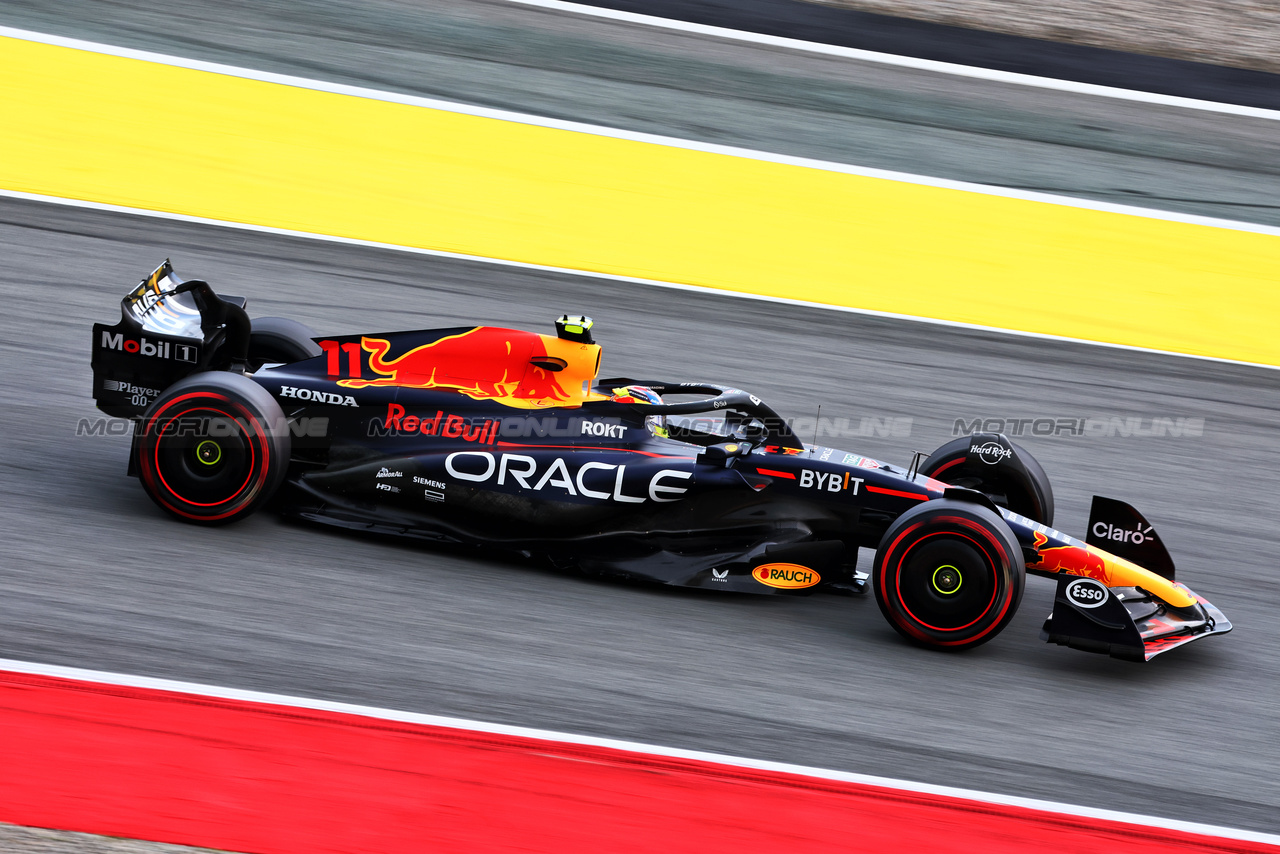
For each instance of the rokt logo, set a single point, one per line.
(786, 576)
(600, 428)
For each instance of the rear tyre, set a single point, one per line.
(213, 448)
(1030, 496)
(280, 339)
(949, 574)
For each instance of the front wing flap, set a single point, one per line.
(1126, 622)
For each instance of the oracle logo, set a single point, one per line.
(517, 470)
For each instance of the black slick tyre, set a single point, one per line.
(949, 574)
(213, 448)
(1028, 494)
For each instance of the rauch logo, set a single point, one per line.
(787, 576)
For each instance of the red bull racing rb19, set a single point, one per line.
(510, 440)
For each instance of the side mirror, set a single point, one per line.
(723, 454)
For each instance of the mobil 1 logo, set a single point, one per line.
(144, 346)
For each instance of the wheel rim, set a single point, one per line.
(208, 453)
(947, 580)
(946, 583)
(205, 457)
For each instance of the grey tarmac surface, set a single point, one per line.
(95, 576)
(35, 840)
(498, 54)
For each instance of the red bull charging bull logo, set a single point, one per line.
(1070, 560)
(514, 368)
(1073, 557)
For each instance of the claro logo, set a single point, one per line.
(1086, 593)
(601, 481)
(787, 576)
(1137, 536)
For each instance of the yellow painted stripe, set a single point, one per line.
(121, 131)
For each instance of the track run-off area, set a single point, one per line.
(99, 579)
(243, 771)
(234, 145)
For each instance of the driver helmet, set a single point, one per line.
(656, 424)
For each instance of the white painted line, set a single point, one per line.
(633, 136)
(611, 277)
(235, 694)
(906, 61)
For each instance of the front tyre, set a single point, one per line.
(213, 448)
(1025, 490)
(949, 574)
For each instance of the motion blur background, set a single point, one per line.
(1241, 33)
(98, 578)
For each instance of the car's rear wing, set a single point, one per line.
(168, 329)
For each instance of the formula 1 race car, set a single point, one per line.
(508, 439)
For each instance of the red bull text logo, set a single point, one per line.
(442, 425)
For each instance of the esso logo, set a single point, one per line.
(1086, 593)
(991, 452)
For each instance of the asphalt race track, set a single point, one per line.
(96, 577)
